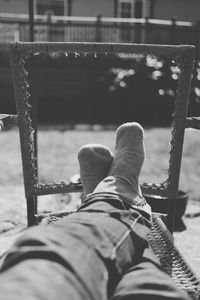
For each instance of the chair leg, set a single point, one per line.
(35, 205)
(31, 210)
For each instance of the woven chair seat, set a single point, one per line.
(171, 260)
(161, 242)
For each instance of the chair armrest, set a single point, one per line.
(7, 120)
(193, 122)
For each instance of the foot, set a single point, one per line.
(123, 177)
(95, 161)
(129, 154)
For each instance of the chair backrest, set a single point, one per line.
(183, 55)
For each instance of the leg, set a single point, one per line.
(145, 279)
(148, 281)
(123, 177)
(84, 255)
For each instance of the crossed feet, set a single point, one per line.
(118, 173)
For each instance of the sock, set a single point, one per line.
(129, 154)
(95, 161)
(123, 177)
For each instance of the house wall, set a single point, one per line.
(14, 6)
(183, 10)
(93, 8)
(79, 7)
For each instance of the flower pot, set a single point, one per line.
(160, 204)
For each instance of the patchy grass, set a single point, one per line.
(58, 161)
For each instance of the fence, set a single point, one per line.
(99, 29)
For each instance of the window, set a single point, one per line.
(130, 8)
(126, 11)
(53, 7)
(138, 9)
(126, 8)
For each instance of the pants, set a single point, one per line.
(96, 253)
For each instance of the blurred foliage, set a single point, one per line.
(150, 68)
(158, 74)
(101, 88)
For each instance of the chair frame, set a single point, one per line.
(20, 52)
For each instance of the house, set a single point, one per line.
(184, 10)
(103, 21)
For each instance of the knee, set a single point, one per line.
(147, 281)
